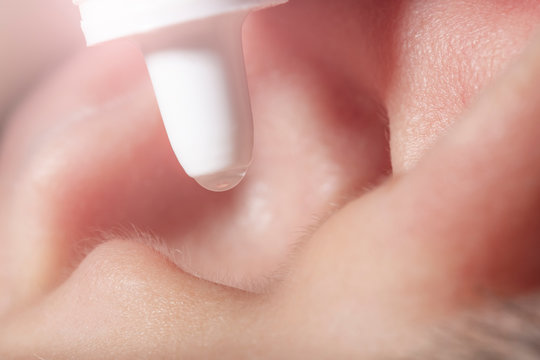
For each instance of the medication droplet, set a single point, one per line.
(222, 181)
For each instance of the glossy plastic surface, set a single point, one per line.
(194, 55)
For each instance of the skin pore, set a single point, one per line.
(394, 191)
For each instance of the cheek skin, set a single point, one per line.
(33, 40)
(447, 53)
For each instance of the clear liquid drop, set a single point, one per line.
(222, 181)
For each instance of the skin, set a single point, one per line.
(396, 182)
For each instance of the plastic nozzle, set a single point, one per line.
(195, 61)
(200, 85)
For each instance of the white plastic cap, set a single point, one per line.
(104, 20)
(196, 64)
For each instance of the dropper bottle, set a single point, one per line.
(193, 51)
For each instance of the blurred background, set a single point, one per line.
(36, 36)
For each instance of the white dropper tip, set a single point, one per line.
(193, 50)
(198, 74)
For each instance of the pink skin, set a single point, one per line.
(85, 167)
